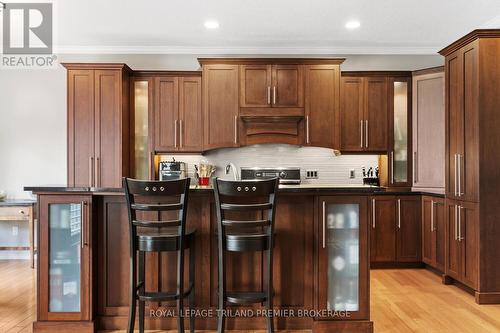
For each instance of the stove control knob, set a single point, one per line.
(282, 174)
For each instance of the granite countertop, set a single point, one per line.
(302, 188)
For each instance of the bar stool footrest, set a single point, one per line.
(163, 296)
(246, 297)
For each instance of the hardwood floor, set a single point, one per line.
(403, 300)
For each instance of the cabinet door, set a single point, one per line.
(141, 91)
(440, 233)
(409, 224)
(400, 132)
(108, 128)
(468, 236)
(428, 131)
(343, 263)
(428, 234)
(453, 255)
(383, 229)
(220, 106)
(351, 114)
(288, 86)
(468, 160)
(322, 105)
(255, 86)
(166, 114)
(81, 128)
(454, 121)
(376, 114)
(190, 116)
(65, 286)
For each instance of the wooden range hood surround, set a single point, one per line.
(273, 97)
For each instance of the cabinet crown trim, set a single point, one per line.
(81, 65)
(249, 61)
(478, 33)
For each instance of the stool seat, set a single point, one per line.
(162, 239)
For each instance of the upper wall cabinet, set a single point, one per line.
(364, 113)
(220, 105)
(177, 114)
(428, 129)
(264, 85)
(98, 124)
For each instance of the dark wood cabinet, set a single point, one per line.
(322, 103)
(343, 262)
(433, 232)
(462, 249)
(266, 85)
(98, 124)
(395, 229)
(65, 256)
(364, 113)
(462, 109)
(177, 114)
(220, 105)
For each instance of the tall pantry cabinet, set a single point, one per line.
(98, 124)
(472, 76)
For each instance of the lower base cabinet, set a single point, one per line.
(395, 229)
(343, 267)
(433, 232)
(462, 246)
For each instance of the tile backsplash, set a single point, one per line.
(331, 169)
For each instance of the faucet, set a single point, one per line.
(235, 171)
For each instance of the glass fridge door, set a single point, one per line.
(65, 246)
(342, 245)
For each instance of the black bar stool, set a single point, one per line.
(158, 236)
(245, 235)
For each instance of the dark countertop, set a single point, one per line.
(17, 202)
(303, 188)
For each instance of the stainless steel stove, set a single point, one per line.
(286, 175)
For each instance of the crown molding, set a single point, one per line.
(245, 50)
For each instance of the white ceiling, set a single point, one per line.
(268, 26)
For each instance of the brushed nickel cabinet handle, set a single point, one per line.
(83, 216)
(373, 213)
(459, 223)
(97, 181)
(459, 164)
(432, 215)
(307, 129)
(274, 95)
(324, 227)
(180, 133)
(175, 133)
(455, 175)
(268, 94)
(456, 222)
(91, 171)
(366, 136)
(361, 132)
(392, 167)
(235, 129)
(399, 213)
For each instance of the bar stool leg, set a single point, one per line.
(180, 290)
(133, 293)
(142, 282)
(269, 303)
(222, 290)
(191, 283)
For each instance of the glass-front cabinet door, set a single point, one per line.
(64, 273)
(400, 143)
(343, 265)
(142, 162)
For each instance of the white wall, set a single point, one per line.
(33, 111)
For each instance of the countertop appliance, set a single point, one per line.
(169, 170)
(287, 175)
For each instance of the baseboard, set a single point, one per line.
(63, 326)
(346, 326)
(487, 297)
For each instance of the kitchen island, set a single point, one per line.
(321, 261)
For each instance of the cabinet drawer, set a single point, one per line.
(15, 213)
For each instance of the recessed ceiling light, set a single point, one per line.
(353, 24)
(211, 24)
